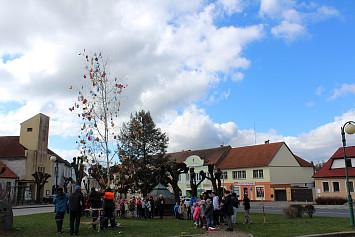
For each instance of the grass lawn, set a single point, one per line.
(277, 225)
(44, 225)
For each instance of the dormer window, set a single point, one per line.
(29, 129)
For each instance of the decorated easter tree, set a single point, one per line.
(97, 106)
(142, 149)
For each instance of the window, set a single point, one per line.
(41, 169)
(224, 175)
(29, 129)
(259, 191)
(258, 174)
(239, 174)
(179, 177)
(336, 187)
(325, 187)
(351, 183)
(187, 177)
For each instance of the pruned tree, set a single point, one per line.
(40, 180)
(78, 166)
(193, 181)
(140, 141)
(214, 176)
(174, 170)
(66, 182)
(98, 106)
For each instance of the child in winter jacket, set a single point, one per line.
(196, 217)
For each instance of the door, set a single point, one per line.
(280, 195)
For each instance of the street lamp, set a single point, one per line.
(349, 128)
(54, 159)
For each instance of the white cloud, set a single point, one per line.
(344, 90)
(292, 18)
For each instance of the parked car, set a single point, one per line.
(48, 199)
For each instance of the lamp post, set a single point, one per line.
(54, 159)
(349, 128)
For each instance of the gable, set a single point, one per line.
(284, 157)
(193, 161)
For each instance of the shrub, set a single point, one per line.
(290, 212)
(299, 209)
(331, 200)
(309, 210)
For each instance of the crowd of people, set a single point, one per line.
(211, 211)
(208, 212)
(102, 204)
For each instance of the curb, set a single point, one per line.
(34, 206)
(337, 234)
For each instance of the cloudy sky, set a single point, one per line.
(210, 72)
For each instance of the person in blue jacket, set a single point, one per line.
(60, 201)
(176, 210)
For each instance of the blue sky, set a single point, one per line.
(208, 71)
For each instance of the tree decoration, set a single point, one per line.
(98, 104)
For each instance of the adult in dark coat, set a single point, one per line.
(95, 203)
(246, 203)
(76, 206)
(109, 208)
(228, 208)
(161, 204)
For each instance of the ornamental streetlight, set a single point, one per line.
(349, 128)
(54, 159)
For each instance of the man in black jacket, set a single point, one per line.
(228, 209)
(76, 206)
(95, 203)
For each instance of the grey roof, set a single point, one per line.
(161, 190)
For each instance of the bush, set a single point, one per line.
(299, 209)
(331, 200)
(309, 210)
(290, 212)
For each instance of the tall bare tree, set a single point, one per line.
(98, 107)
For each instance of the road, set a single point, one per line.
(321, 210)
(269, 207)
(32, 209)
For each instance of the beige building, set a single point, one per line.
(28, 153)
(268, 172)
(330, 180)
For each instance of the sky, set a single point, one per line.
(211, 73)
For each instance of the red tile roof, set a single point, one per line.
(10, 146)
(303, 162)
(325, 171)
(8, 173)
(250, 156)
(210, 156)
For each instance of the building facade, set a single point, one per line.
(268, 172)
(330, 180)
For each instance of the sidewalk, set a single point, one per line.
(282, 204)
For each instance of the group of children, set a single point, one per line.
(207, 214)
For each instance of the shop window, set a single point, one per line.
(259, 192)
